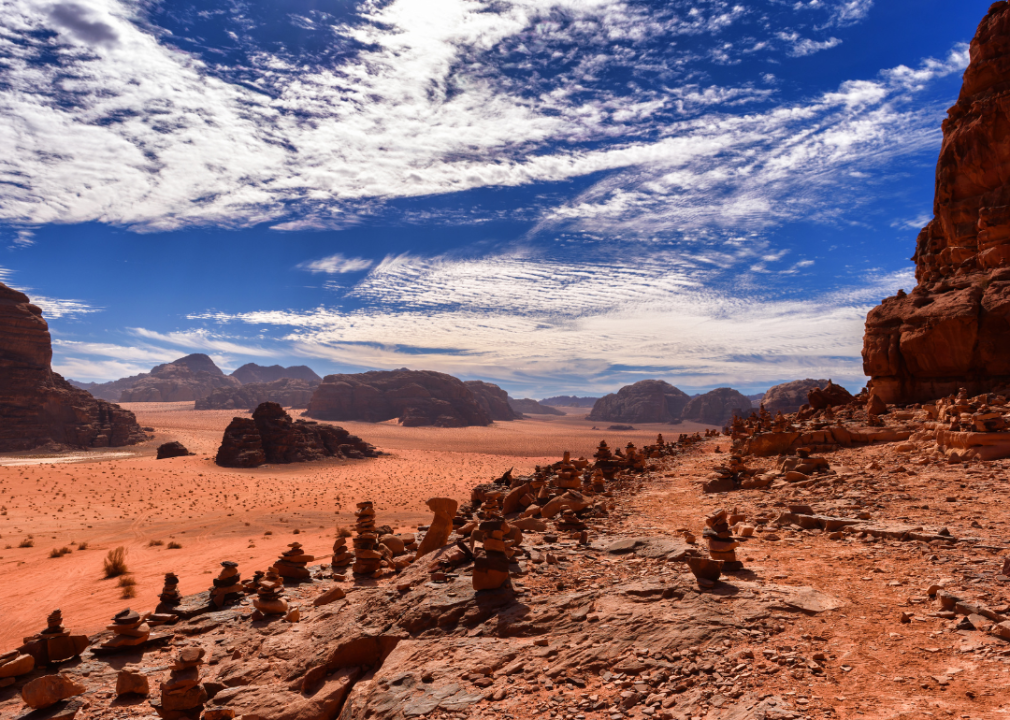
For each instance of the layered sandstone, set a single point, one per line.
(416, 397)
(188, 378)
(717, 407)
(285, 392)
(791, 396)
(493, 399)
(647, 401)
(271, 436)
(252, 373)
(953, 330)
(37, 406)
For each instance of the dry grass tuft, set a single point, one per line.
(344, 531)
(27, 542)
(129, 586)
(174, 546)
(59, 552)
(155, 543)
(115, 563)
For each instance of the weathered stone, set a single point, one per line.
(49, 690)
(131, 681)
(440, 528)
(645, 401)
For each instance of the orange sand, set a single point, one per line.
(127, 497)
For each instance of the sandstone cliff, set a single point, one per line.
(791, 396)
(253, 373)
(416, 397)
(717, 407)
(647, 401)
(188, 378)
(493, 399)
(286, 392)
(953, 329)
(532, 407)
(39, 407)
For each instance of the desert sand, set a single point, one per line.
(126, 497)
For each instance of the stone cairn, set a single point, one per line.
(367, 559)
(130, 628)
(292, 564)
(227, 586)
(269, 598)
(13, 664)
(183, 695)
(342, 557)
(721, 545)
(54, 644)
(170, 591)
(491, 567)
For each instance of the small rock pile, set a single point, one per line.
(227, 586)
(182, 696)
(130, 628)
(491, 567)
(342, 557)
(269, 598)
(721, 545)
(292, 564)
(726, 478)
(367, 559)
(54, 644)
(12, 665)
(170, 590)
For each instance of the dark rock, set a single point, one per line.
(532, 407)
(569, 401)
(717, 407)
(37, 406)
(493, 399)
(271, 436)
(830, 395)
(285, 392)
(654, 401)
(172, 449)
(416, 397)
(188, 378)
(251, 373)
(791, 396)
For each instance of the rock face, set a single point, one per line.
(532, 407)
(37, 406)
(171, 450)
(271, 436)
(253, 373)
(647, 401)
(717, 407)
(416, 397)
(493, 399)
(285, 392)
(789, 397)
(188, 378)
(569, 401)
(953, 330)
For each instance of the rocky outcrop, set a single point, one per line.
(569, 401)
(953, 330)
(717, 407)
(252, 373)
(285, 392)
(830, 395)
(791, 396)
(532, 407)
(188, 378)
(647, 401)
(37, 406)
(271, 436)
(172, 449)
(493, 399)
(416, 397)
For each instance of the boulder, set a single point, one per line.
(286, 392)
(416, 397)
(526, 406)
(717, 407)
(791, 396)
(647, 401)
(493, 399)
(952, 330)
(171, 450)
(271, 436)
(251, 373)
(37, 406)
(830, 395)
(49, 690)
(130, 681)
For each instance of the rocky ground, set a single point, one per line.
(819, 624)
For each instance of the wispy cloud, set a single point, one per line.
(801, 46)
(336, 264)
(201, 339)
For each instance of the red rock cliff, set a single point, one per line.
(953, 329)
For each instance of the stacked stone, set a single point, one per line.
(570, 522)
(269, 598)
(13, 664)
(293, 563)
(55, 643)
(170, 591)
(568, 475)
(367, 557)
(227, 586)
(342, 557)
(183, 695)
(252, 585)
(721, 545)
(130, 628)
(491, 567)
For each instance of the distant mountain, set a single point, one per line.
(188, 378)
(253, 373)
(755, 399)
(569, 401)
(647, 401)
(532, 407)
(286, 392)
(494, 400)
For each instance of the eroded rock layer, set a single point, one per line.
(493, 399)
(37, 406)
(717, 407)
(953, 330)
(416, 397)
(189, 378)
(285, 392)
(646, 401)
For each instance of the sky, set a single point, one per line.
(559, 196)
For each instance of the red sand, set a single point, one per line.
(221, 514)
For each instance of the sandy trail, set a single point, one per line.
(108, 499)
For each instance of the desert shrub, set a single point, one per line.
(83, 545)
(115, 562)
(129, 586)
(297, 532)
(269, 532)
(155, 543)
(59, 552)
(27, 542)
(173, 545)
(343, 531)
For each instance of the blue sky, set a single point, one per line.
(558, 196)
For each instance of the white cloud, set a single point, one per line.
(204, 340)
(801, 47)
(24, 238)
(336, 264)
(55, 308)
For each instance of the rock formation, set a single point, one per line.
(271, 436)
(791, 396)
(188, 378)
(953, 330)
(251, 373)
(569, 401)
(532, 407)
(717, 407)
(647, 401)
(285, 392)
(172, 449)
(416, 397)
(39, 407)
(494, 400)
